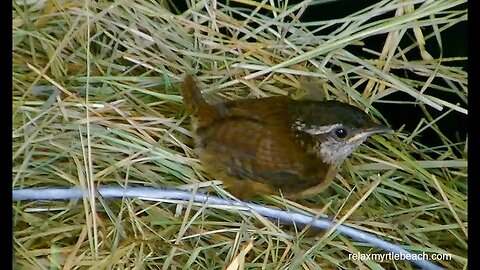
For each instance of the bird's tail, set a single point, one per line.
(195, 103)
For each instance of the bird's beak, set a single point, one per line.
(378, 129)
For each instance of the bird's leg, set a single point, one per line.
(325, 183)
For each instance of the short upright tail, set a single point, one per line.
(195, 103)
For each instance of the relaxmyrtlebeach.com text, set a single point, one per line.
(380, 257)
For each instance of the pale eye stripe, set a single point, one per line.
(315, 130)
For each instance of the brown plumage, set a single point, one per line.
(261, 146)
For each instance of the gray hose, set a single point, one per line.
(284, 217)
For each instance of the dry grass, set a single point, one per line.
(95, 103)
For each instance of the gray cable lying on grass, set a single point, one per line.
(285, 217)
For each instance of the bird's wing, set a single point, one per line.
(255, 150)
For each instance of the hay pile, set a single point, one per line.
(95, 103)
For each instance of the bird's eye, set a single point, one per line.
(341, 133)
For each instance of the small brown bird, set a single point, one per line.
(267, 145)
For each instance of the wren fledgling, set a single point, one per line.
(267, 145)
